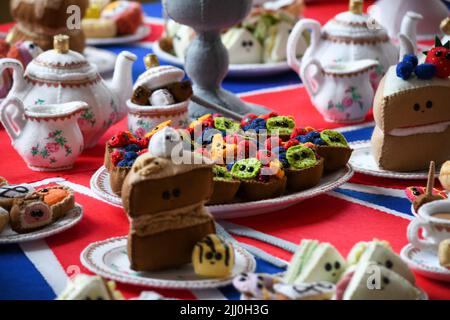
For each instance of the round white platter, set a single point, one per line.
(74, 216)
(235, 70)
(362, 161)
(141, 33)
(104, 60)
(101, 187)
(425, 262)
(109, 259)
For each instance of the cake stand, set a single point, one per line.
(207, 60)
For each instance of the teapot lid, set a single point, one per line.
(354, 26)
(61, 64)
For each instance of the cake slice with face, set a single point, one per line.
(412, 122)
(30, 214)
(242, 46)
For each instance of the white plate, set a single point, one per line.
(109, 259)
(101, 187)
(140, 34)
(235, 70)
(362, 161)
(104, 60)
(425, 262)
(70, 219)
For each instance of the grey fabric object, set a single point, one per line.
(207, 60)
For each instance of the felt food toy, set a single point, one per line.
(412, 193)
(167, 214)
(99, 28)
(281, 125)
(213, 258)
(226, 125)
(30, 214)
(270, 124)
(8, 193)
(334, 150)
(84, 287)
(3, 181)
(242, 46)
(439, 56)
(4, 219)
(321, 290)
(127, 16)
(305, 169)
(257, 181)
(412, 117)
(60, 199)
(225, 186)
(121, 152)
(360, 284)
(314, 261)
(444, 175)
(257, 286)
(444, 253)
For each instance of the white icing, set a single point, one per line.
(393, 84)
(159, 77)
(275, 5)
(242, 46)
(430, 128)
(164, 142)
(15, 191)
(162, 97)
(84, 287)
(305, 290)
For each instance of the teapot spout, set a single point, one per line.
(122, 82)
(408, 33)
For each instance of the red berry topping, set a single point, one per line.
(117, 155)
(440, 57)
(269, 115)
(298, 132)
(291, 143)
(247, 119)
(142, 142)
(272, 143)
(122, 139)
(142, 152)
(246, 149)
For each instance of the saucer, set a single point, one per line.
(425, 262)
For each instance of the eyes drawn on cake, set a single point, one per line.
(428, 105)
(169, 194)
(209, 252)
(283, 124)
(225, 124)
(247, 45)
(300, 157)
(385, 281)
(36, 213)
(246, 168)
(334, 268)
(333, 138)
(249, 283)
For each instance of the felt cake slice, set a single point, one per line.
(84, 287)
(30, 214)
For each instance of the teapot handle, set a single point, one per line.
(8, 119)
(294, 37)
(318, 77)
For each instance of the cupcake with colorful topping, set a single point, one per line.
(330, 145)
(305, 167)
(259, 181)
(270, 124)
(225, 186)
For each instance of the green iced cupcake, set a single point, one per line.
(225, 186)
(282, 124)
(336, 151)
(305, 170)
(225, 124)
(301, 157)
(246, 169)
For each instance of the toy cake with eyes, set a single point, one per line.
(167, 213)
(411, 113)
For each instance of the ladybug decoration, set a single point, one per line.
(440, 57)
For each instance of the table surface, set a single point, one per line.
(362, 209)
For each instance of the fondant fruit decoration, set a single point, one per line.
(440, 57)
(301, 157)
(333, 138)
(246, 169)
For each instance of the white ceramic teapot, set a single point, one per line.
(349, 36)
(341, 92)
(47, 137)
(61, 75)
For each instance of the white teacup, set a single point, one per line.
(434, 219)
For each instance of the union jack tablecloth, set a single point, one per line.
(363, 209)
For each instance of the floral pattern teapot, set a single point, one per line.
(61, 75)
(350, 36)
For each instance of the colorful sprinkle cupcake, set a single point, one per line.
(259, 181)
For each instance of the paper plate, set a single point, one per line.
(141, 33)
(71, 218)
(362, 161)
(109, 259)
(235, 70)
(104, 60)
(101, 187)
(425, 262)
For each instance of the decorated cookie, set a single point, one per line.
(281, 124)
(4, 219)
(84, 287)
(60, 199)
(8, 193)
(444, 253)
(30, 213)
(257, 286)
(321, 290)
(213, 258)
(226, 125)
